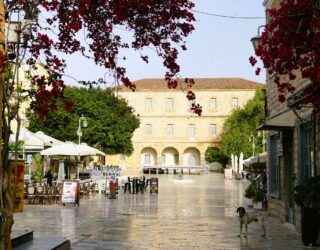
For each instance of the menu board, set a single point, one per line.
(154, 185)
(70, 192)
(15, 186)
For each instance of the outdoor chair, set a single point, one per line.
(40, 194)
(31, 194)
(93, 188)
(58, 194)
(51, 195)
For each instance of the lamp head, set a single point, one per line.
(85, 123)
(256, 41)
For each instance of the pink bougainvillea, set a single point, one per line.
(161, 24)
(290, 46)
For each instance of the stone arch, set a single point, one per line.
(148, 157)
(170, 157)
(191, 157)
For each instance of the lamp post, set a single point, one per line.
(256, 40)
(83, 121)
(251, 139)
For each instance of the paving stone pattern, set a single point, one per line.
(197, 212)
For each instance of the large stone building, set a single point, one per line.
(170, 134)
(292, 148)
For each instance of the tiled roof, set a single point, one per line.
(200, 83)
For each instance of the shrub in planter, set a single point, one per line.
(307, 196)
(258, 196)
(250, 190)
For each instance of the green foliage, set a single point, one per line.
(240, 124)
(215, 155)
(258, 196)
(37, 174)
(111, 122)
(250, 190)
(307, 194)
(254, 193)
(20, 146)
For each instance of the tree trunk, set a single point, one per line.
(6, 206)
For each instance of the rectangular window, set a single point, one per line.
(234, 103)
(148, 104)
(148, 129)
(213, 129)
(306, 151)
(170, 103)
(147, 159)
(274, 170)
(170, 129)
(213, 103)
(191, 130)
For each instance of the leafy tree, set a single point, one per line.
(111, 122)
(241, 124)
(215, 155)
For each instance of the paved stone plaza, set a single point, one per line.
(197, 212)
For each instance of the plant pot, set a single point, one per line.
(310, 224)
(248, 202)
(257, 205)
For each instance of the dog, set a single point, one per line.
(246, 218)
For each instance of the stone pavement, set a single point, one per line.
(197, 212)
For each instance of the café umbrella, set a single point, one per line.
(72, 149)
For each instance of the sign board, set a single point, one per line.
(154, 185)
(70, 192)
(16, 184)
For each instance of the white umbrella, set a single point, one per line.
(47, 140)
(236, 164)
(32, 142)
(61, 174)
(67, 148)
(232, 162)
(241, 163)
(90, 150)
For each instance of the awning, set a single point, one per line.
(279, 121)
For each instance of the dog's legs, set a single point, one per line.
(246, 227)
(240, 229)
(263, 227)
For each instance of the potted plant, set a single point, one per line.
(307, 196)
(250, 192)
(258, 198)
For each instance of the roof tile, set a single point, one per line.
(200, 83)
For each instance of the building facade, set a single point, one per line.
(170, 134)
(292, 133)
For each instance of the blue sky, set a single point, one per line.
(218, 47)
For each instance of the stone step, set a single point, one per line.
(19, 237)
(42, 241)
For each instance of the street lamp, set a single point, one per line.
(251, 139)
(256, 40)
(83, 121)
